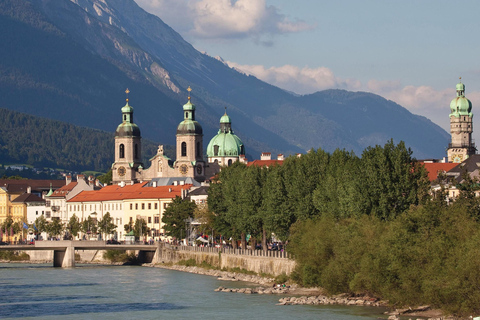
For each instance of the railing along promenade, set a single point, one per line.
(246, 252)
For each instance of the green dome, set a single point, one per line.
(188, 106)
(127, 128)
(189, 127)
(127, 109)
(460, 106)
(225, 119)
(225, 143)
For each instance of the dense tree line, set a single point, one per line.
(384, 182)
(26, 139)
(362, 225)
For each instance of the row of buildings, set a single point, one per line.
(136, 191)
(140, 192)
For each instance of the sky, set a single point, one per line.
(410, 52)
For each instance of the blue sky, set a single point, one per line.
(411, 52)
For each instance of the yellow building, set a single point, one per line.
(11, 190)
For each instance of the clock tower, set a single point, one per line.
(128, 148)
(189, 160)
(461, 127)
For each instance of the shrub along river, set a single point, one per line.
(29, 291)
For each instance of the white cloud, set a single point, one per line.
(422, 100)
(223, 18)
(299, 80)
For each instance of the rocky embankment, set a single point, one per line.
(341, 300)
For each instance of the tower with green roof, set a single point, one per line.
(189, 160)
(225, 148)
(128, 148)
(461, 127)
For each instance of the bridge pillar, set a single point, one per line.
(64, 259)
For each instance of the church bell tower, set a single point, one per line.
(128, 148)
(189, 160)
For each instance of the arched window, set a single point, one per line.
(122, 151)
(199, 152)
(229, 162)
(215, 150)
(184, 149)
(136, 151)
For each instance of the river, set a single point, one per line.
(30, 291)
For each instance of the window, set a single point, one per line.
(136, 206)
(156, 206)
(229, 162)
(149, 219)
(143, 206)
(184, 149)
(136, 151)
(122, 151)
(36, 213)
(156, 219)
(149, 206)
(131, 206)
(199, 152)
(215, 150)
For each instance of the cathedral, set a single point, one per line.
(461, 127)
(224, 149)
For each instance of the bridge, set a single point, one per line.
(64, 250)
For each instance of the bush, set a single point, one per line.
(14, 256)
(119, 256)
(187, 263)
(283, 278)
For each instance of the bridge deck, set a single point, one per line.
(77, 245)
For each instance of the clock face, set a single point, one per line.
(199, 169)
(457, 158)
(183, 169)
(121, 171)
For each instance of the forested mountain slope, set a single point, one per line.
(73, 60)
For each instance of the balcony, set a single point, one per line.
(55, 208)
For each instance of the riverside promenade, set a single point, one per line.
(259, 261)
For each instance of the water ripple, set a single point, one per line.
(56, 309)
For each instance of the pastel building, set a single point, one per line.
(126, 203)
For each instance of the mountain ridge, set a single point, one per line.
(103, 47)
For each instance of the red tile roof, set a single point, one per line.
(434, 168)
(63, 191)
(136, 191)
(264, 163)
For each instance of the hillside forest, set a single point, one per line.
(40, 142)
(361, 225)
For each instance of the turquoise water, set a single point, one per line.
(131, 292)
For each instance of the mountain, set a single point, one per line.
(72, 61)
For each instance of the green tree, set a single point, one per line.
(391, 180)
(55, 228)
(9, 225)
(74, 226)
(140, 229)
(106, 225)
(176, 216)
(106, 178)
(41, 224)
(89, 226)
